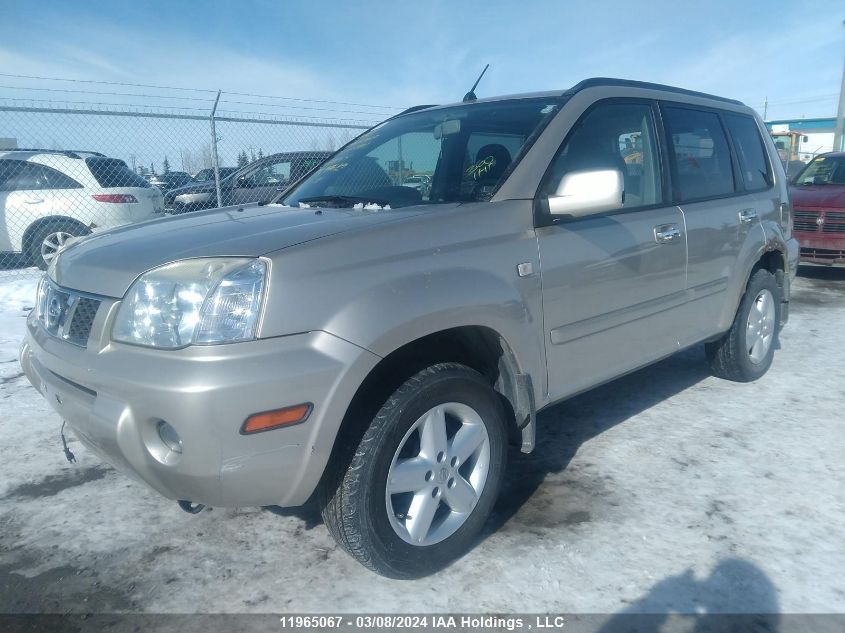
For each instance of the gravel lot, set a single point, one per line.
(665, 490)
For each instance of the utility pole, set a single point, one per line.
(765, 108)
(840, 112)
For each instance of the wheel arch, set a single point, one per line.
(32, 229)
(479, 347)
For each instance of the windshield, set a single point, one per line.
(823, 170)
(460, 153)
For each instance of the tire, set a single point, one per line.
(58, 232)
(382, 531)
(746, 351)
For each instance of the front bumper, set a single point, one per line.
(113, 396)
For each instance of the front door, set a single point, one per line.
(613, 284)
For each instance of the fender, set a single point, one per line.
(773, 241)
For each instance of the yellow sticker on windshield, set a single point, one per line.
(481, 167)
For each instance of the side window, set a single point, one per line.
(700, 153)
(273, 174)
(614, 136)
(28, 177)
(54, 179)
(752, 155)
(9, 169)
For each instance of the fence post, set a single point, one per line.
(214, 160)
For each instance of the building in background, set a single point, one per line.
(8, 143)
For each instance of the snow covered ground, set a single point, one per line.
(665, 490)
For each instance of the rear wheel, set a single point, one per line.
(746, 351)
(49, 239)
(423, 477)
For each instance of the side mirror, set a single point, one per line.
(588, 192)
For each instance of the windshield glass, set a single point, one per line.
(823, 170)
(460, 153)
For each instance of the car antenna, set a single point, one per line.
(470, 96)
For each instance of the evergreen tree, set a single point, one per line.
(243, 161)
(165, 165)
(260, 154)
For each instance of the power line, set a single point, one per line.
(291, 116)
(240, 94)
(202, 99)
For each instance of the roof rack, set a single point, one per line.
(70, 153)
(416, 108)
(629, 83)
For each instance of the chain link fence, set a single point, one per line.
(70, 168)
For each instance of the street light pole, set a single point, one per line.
(840, 112)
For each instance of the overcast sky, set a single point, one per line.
(403, 53)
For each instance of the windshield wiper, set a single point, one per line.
(345, 201)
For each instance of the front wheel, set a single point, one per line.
(424, 476)
(50, 239)
(746, 351)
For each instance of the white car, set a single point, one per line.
(49, 197)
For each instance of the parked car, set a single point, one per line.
(818, 202)
(170, 180)
(48, 197)
(257, 182)
(420, 182)
(207, 175)
(358, 345)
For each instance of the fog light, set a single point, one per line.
(170, 437)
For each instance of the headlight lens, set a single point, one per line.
(193, 302)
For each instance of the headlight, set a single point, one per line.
(193, 302)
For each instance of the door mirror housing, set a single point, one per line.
(588, 192)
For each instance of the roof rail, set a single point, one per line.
(629, 83)
(70, 153)
(416, 108)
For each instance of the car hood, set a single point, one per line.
(107, 263)
(818, 196)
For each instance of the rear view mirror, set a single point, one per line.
(587, 192)
(447, 128)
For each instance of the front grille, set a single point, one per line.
(806, 221)
(66, 314)
(823, 255)
(833, 222)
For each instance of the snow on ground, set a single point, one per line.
(665, 490)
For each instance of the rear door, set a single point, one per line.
(721, 218)
(613, 283)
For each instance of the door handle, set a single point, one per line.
(34, 200)
(747, 216)
(666, 233)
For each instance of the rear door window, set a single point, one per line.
(700, 154)
(751, 153)
(113, 172)
(26, 176)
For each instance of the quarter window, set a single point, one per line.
(614, 136)
(749, 147)
(700, 153)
